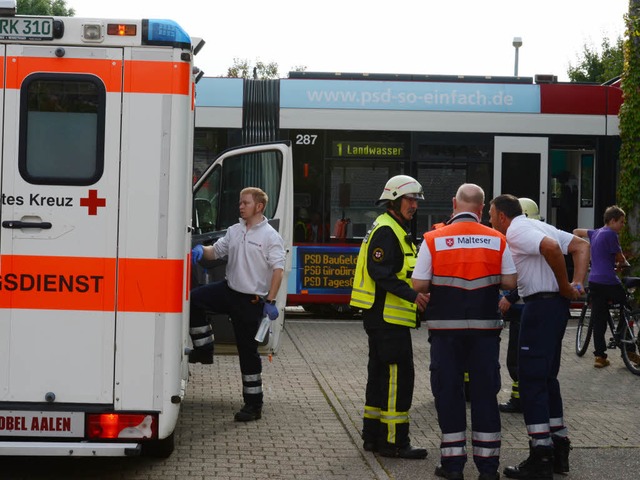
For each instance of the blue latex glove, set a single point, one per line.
(196, 254)
(270, 310)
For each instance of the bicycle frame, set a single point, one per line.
(625, 334)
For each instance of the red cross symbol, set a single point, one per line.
(92, 202)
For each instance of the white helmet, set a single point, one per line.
(529, 208)
(401, 186)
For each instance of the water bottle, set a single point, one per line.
(264, 327)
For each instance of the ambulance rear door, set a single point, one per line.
(59, 219)
(216, 197)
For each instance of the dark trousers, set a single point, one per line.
(513, 317)
(450, 356)
(542, 327)
(245, 317)
(601, 295)
(389, 389)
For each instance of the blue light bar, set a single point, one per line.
(164, 32)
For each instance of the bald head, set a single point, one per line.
(469, 198)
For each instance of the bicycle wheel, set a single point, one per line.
(584, 330)
(630, 343)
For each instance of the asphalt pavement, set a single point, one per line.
(310, 429)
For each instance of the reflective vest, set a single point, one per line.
(396, 310)
(467, 265)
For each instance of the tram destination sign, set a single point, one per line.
(26, 28)
(369, 149)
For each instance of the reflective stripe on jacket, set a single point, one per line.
(467, 265)
(396, 310)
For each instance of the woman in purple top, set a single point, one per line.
(605, 286)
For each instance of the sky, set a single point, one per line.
(449, 37)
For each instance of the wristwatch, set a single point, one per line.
(272, 302)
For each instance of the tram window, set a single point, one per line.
(586, 181)
(440, 184)
(354, 188)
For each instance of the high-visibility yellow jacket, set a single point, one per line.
(396, 310)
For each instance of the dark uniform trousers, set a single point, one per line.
(389, 389)
(245, 317)
(542, 327)
(451, 355)
(513, 317)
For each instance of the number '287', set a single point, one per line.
(306, 139)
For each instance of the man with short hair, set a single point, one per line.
(538, 251)
(463, 265)
(254, 272)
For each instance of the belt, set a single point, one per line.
(541, 296)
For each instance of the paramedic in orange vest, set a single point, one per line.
(463, 265)
(382, 289)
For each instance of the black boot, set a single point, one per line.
(408, 451)
(561, 447)
(248, 413)
(201, 355)
(512, 406)
(539, 465)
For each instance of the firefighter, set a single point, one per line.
(511, 308)
(463, 265)
(382, 289)
(543, 281)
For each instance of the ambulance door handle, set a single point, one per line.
(19, 224)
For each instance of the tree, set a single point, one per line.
(628, 184)
(598, 67)
(242, 69)
(57, 8)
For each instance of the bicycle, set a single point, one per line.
(625, 336)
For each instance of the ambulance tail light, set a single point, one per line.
(121, 425)
(164, 32)
(122, 29)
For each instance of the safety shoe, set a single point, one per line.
(248, 413)
(199, 355)
(601, 362)
(370, 446)
(561, 448)
(408, 451)
(512, 406)
(539, 465)
(634, 357)
(489, 476)
(444, 473)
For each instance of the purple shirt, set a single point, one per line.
(604, 247)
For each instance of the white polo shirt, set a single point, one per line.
(253, 256)
(524, 236)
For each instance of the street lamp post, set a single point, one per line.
(517, 43)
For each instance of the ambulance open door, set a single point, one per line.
(215, 208)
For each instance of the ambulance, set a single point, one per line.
(97, 213)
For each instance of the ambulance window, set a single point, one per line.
(255, 169)
(62, 129)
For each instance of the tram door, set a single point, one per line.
(520, 167)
